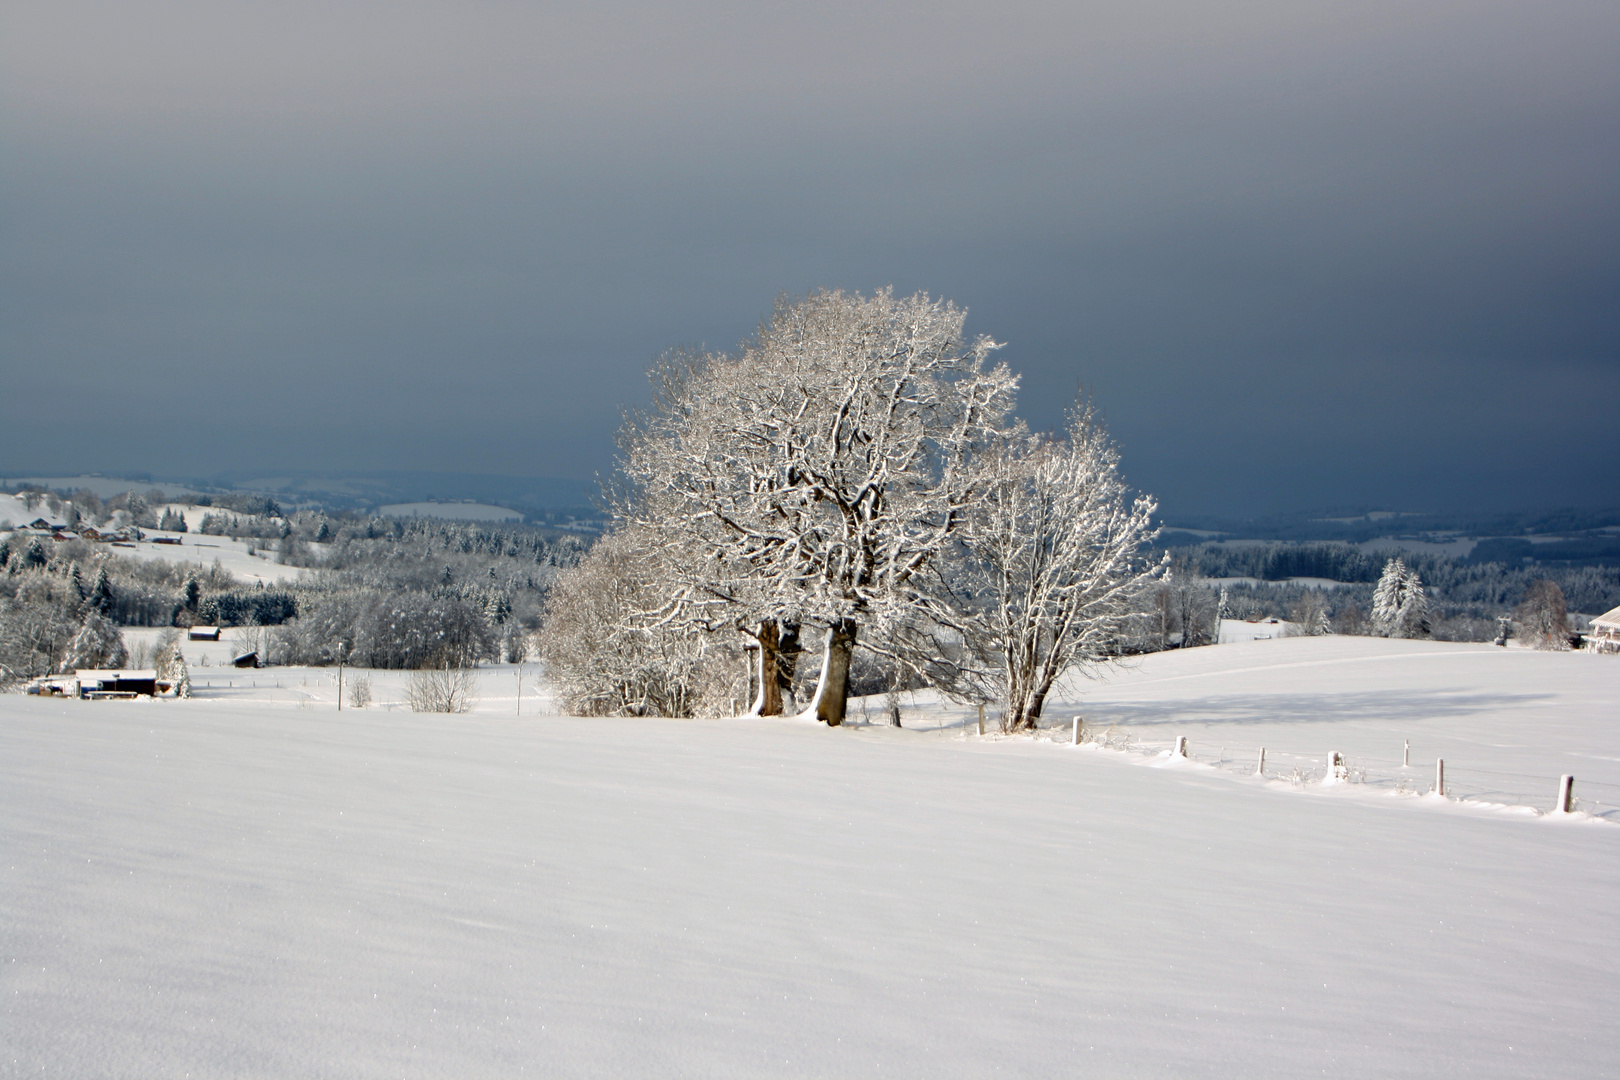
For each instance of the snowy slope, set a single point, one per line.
(1508, 722)
(251, 883)
(195, 548)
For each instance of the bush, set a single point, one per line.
(448, 689)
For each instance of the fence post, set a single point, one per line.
(1181, 746)
(981, 719)
(1260, 769)
(1336, 770)
(1078, 724)
(1566, 795)
(1439, 776)
(1406, 754)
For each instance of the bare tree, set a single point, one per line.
(812, 478)
(1050, 572)
(1310, 614)
(1542, 618)
(451, 687)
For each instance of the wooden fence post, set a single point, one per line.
(1260, 769)
(1439, 776)
(1181, 746)
(1335, 768)
(981, 719)
(1566, 795)
(1078, 724)
(1406, 754)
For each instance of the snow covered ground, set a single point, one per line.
(252, 883)
(193, 547)
(233, 555)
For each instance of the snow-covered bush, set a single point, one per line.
(607, 656)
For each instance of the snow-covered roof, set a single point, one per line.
(1610, 618)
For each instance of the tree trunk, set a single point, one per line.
(768, 699)
(787, 660)
(832, 691)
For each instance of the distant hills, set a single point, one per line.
(550, 500)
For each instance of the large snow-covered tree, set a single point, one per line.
(813, 476)
(1400, 608)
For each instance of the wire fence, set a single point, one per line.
(1462, 782)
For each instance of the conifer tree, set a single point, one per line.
(101, 599)
(1400, 608)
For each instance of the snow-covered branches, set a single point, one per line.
(610, 653)
(1048, 573)
(814, 475)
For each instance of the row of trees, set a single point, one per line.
(852, 472)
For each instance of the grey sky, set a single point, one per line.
(1303, 255)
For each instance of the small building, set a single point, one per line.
(89, 532)
(100, 685)
(246, 660)
(166, 540)
(54, 686)
(203, 633)
(1604, 637)
(121, 684)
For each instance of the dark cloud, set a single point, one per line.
(1302, 256)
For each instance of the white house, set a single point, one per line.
(1605, 633)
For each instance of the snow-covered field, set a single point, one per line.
(252, 883)
(233, 555)
(193, 547)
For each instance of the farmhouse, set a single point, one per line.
(203, 633)
(103, 684)
(1604, 636)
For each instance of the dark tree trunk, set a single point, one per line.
(787, 660)
(768, 701)
(832, 693)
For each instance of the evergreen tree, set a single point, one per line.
(1400, 608)
(98, 644)
(101, 599)
(180, 674)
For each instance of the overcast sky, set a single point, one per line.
(1302, 255)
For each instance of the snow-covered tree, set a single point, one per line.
(1400, 608)
(101, 599)
(1051, 569)
(1542, 618)
(98, 644)
(811, 478)
(608, 651)
(1310, 614)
